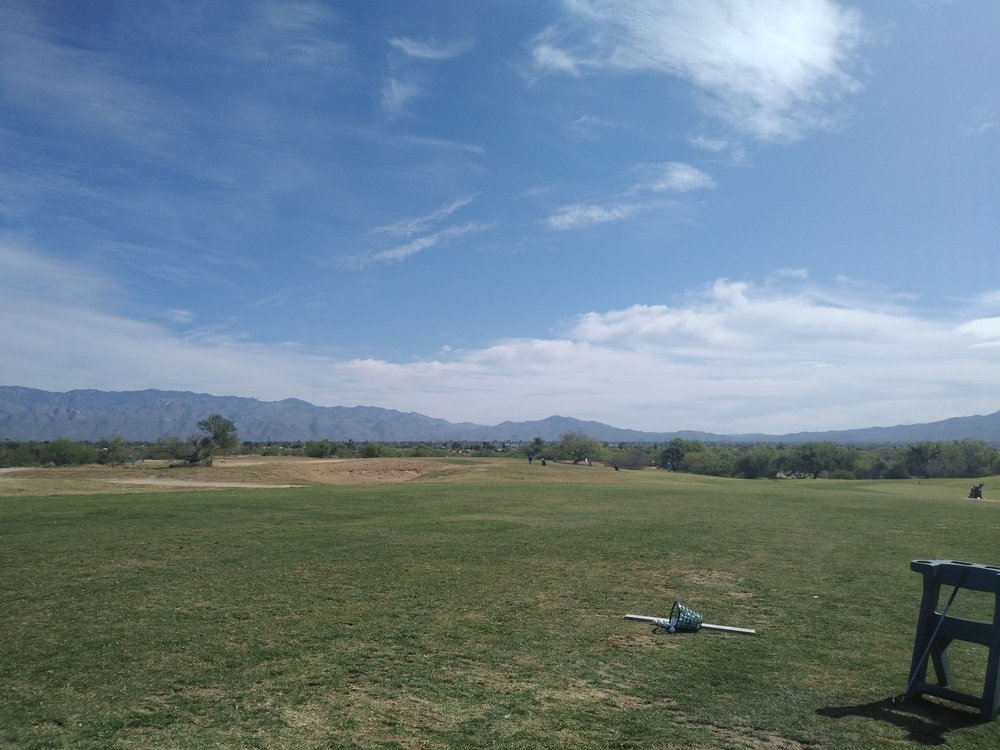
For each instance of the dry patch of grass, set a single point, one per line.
(76, 480)
(633, 643)
(243, 472)
(581, 691)
(744, 738)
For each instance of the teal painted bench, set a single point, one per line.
(936, 631)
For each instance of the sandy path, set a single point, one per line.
(196, 483)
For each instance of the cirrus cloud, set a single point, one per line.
(430, 50)
(581, 215)
(674, 177)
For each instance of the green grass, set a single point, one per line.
(481, 608)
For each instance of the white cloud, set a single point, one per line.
(396, 95)
(297, 16)
(577, 216)
(986, 330)
(990, 298)
(79, 88)
(715, 145)
(292, 34)
(431, 50)
(26, 271)
(416, 224)
(732, 320)
(404, 251)
(671, 177)
(549, 58)
(785, 355)
(591, 126)
(730, 152)
(443, 144)
(179, 316)
(771, 68)
(674, 177)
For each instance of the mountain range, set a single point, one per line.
(32, 414)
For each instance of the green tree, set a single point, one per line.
(819, 458)
(218, 434)
(632, 457)
(220, 431)
(170, 447)
(672, 456)
(716, 461)
(377, 450)
(20, 454)
(577, 447)
(319, 448)
(757, 462)
(64, 452)
(535, 449)
(114, 452)
(918, 458)
(980, 460)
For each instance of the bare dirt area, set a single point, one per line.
(332, 470)
(164, 482)
(243, 472)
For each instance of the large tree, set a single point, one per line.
(220, 433)
(577, 447)
(216, 434)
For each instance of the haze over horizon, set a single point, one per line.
(734, 217)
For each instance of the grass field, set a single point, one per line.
(478, 606)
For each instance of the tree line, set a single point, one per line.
(215, 434)
(817, 459)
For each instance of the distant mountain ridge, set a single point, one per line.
(32, 414)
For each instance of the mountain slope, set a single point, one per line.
(31, 414)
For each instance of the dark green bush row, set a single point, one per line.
(965, 458)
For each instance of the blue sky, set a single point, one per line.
(733, 216)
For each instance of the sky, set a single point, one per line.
(724, 215)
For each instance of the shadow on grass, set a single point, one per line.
(925, 723)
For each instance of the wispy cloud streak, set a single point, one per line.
(431, 50)
(401, 252)
(549, 58)
(416, 224)
(649, 179)
(397, 94)
(579, 216)
(85, 90)
(673, 177)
